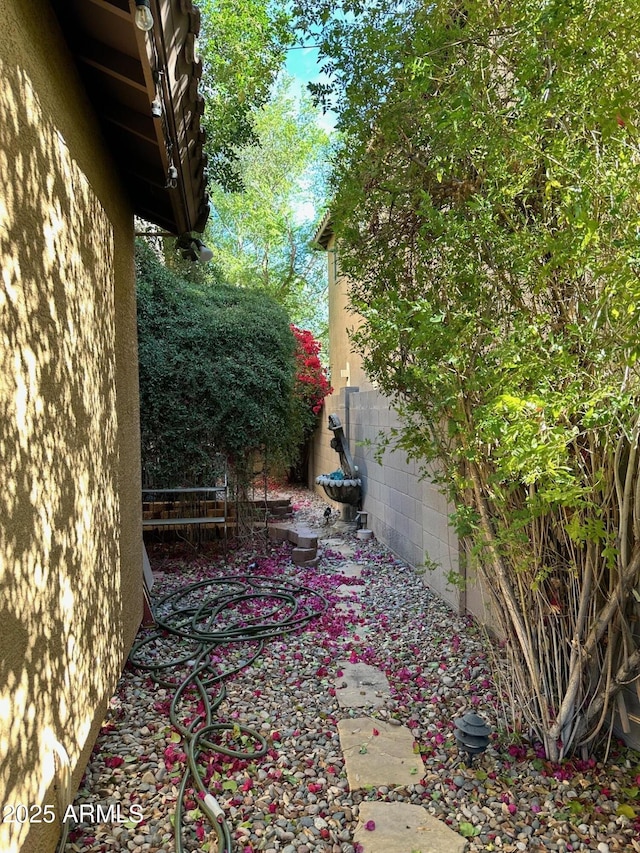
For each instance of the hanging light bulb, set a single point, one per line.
(172, 177)
(193, 249)
(204, 253)
(143, 17)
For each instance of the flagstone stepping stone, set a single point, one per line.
(346, 550)
(359, 633)
(338, 546)
(350, 603)
(333, 544)
(350, 570)
(350, 606)
(344, 590)
(361, 685)
(403, 828)
(377, 753)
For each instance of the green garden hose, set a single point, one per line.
(203, 617)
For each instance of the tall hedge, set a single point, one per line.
(490, 224)
(216, 375)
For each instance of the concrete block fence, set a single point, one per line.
(406, 512)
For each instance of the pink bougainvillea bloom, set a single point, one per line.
(375, 732)
(370, 825)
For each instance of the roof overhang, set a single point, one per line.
(158, 149)
(324, 232)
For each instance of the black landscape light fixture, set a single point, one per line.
(472, 734)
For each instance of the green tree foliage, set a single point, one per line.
(241, 44)
(261, 234)
(216, 376)
(487, 211)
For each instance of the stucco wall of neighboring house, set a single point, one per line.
(70, 517)
(345, 365)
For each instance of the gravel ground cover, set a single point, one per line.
(295, 798)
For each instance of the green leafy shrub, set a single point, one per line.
(216, 376)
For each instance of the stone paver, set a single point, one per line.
(332, 544)
(345, 590)
(361, 685)
(339, 546)
(403, 828)
(348, 606)
(377, 753)
(350, 570)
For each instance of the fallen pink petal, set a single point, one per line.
(435, 661)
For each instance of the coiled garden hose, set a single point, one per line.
(203, 617)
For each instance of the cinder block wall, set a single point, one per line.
(405, 512)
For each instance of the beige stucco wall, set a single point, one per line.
(70, 528)
(345, 365)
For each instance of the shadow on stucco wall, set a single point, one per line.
(61, 602)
